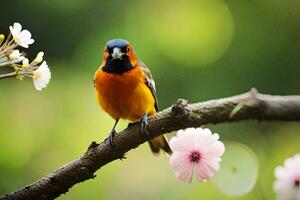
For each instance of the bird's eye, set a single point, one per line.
(106, 50)
(128, 49)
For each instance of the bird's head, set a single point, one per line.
(118, 56)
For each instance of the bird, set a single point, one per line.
(125, 89)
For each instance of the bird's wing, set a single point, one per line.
(149, 82)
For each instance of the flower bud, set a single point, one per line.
(39, 57)
(15, 54)
(17, 69)
(19, 77)
(2, 37)
(25, 63)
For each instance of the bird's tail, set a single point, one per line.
(159, 143)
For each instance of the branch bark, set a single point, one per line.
(248, 106)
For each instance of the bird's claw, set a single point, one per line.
(144, 124)
(111, 135)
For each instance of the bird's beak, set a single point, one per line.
(117, 54)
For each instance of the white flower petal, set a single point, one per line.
(16, 28)
(15, 54)
(37, 86)
(41, 76)
(22, 38)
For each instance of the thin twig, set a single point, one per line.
(8, 75)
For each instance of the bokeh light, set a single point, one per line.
(197, 34)
(239, 170)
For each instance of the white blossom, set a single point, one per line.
(16, 55)
(21, 37)
(41, 76)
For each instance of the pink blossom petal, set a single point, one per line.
(203, 131)
(185, 173)
(182, 142)
(209, 171)
(177, 145)
(178, 159)
(215, 150)
(213, 164)
(286, 176)
(207, 140)
(190, 141)
(202, 172)
(203, 167)
(280, 173)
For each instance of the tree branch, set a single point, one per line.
(248, 106)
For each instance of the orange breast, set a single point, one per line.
(124, 95)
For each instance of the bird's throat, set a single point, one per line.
(117, 66)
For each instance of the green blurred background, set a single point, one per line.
(196, 50)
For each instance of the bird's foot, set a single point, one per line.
(110, 137)
(144, 124)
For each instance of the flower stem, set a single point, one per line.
(8, 75)
(7, 49)
(5, 43)
(9, 63)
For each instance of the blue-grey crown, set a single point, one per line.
(117, 43)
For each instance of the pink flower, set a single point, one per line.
(196, 148)
(287, 184)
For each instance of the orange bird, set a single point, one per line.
(125, 89)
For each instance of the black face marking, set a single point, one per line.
(117, 66)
